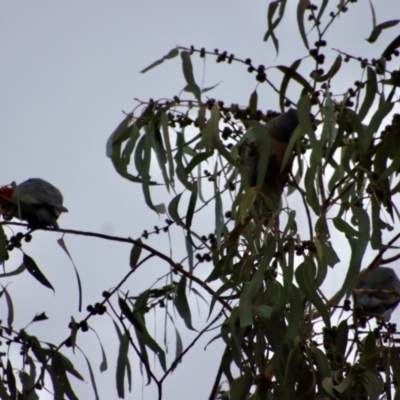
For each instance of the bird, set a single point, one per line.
(383, 300)
(280, 130)
(35, 200)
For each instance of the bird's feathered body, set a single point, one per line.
(380, 302)
(36, 201)
(280, 129)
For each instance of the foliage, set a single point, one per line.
(283, 339)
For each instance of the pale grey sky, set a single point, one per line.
(68, 69)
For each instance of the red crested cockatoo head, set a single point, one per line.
(36, 201)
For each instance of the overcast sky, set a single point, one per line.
(68, 70)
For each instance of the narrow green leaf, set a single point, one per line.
(3, 391)
(285, 82)
(358, 247)
(321, 362)
(28, 386)
(373, 383)
(290, 73)
(342, 338)
(11, 381)
(134, 135)
(376, 235)
(346, 382)
(196, 160)
(144, 337)
(173, 210)
(264, 311)
(40, 317)
(395, 364)
(247, 202)
(344, 227)
(383, 110)
(180, 168)
(296, 311)
(301, 10)
(371, 91)
(253, 101)
(74, 332)
(305, 275)
(328, 128)
(122, 361)
(262, 140)
(60, 375)
(331, 72)
(322, 8)
(137, 320)
(249, 291)
(62, 244)
(311, 193)
(359, 128)
(219, 216)
(10, 315)
(167, 142)
(274, 331)
(17, 271)
(187, 67)
(135, 255)
(207, 89)
(240, 387)
(146, 162)
(188, 74)
(273, 5)
(92, 379)
(272, 25)
(213, 124)
(191, 207)
(171, 54)
(393, 167)
(294, 141)
(181, 303)
(3, 245)
(161, 155)
(139, 154)
(377, 30)
(132, 317)
(120, 134)
(178, 345)
(372, 14)
(201, 116)
(34, 270)
(335, 67)
(69, 367)
(189, 249)
(58, 389)
(391, 48)
(303, 113)
(103, 365)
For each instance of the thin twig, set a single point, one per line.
(178, 359)
(177, 267)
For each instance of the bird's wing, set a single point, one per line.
(48, 194)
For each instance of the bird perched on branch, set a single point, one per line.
(36, 201)
(379, 292)
(279, 129)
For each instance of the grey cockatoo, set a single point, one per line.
(36, 201)
(280, 129)
(379, 302)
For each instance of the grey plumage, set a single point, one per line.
(36, 201)
(280, 129)
(379, 302)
